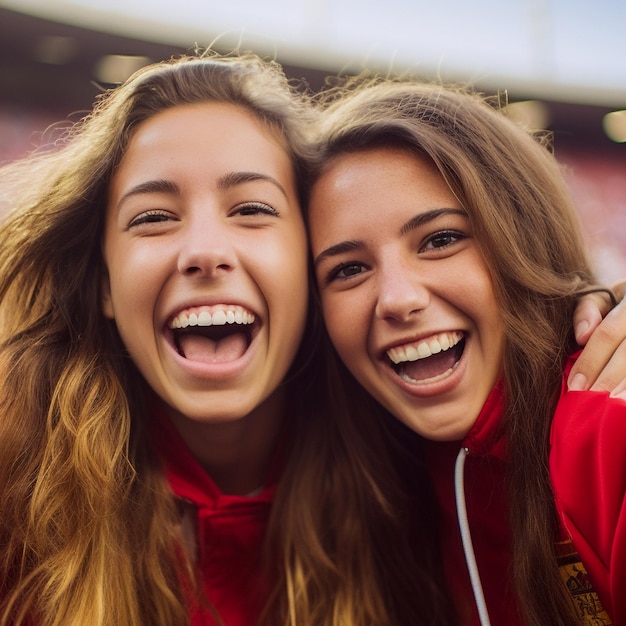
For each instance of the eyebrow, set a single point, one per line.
(150, 186)
(228, 181)
(340, 248)
(412, 224)
(428, 216)
(233, 179)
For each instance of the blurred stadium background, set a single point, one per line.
(562, 64)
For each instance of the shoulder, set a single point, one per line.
(585, 420)
(588, 453)
(588, 473)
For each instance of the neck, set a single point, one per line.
(236, 454)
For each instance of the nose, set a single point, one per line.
(401, 292)
(206, 249)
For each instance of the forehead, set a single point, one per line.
(393, 166)
(374, 186)
(208, 117)
(202, 140)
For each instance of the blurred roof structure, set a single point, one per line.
(567, 53)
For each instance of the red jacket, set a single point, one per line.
(229, 537)
(588, 469)
(591, 504)
(487, 514)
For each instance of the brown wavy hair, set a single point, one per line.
(89, 531)
(521, 214)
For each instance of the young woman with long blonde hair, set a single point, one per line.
(169, 451)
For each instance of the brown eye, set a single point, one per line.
(255, 208)
(149, 217)
(442, 239)
(344, 271)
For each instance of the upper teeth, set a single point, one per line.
(424, 349)
(212, 316)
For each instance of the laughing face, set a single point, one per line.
(206, 256)
(407, 297)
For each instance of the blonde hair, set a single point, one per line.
(522, 217)
(89, 531)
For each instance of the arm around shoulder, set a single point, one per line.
(602, 363)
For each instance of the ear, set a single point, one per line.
(106, 300)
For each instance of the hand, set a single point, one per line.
(602, 364)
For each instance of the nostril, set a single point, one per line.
(193, 270)
(202, 259)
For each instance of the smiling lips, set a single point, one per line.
(213, 334)
(427, 360)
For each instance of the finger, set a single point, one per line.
(611, 377)
(620, 390)
(588, 314)
(619, 289)
(602, 364)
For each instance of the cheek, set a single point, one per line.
(476, 285)
(131, 266)
(124, 285)
(294, 266)
(282, 262)
(131, 295)
(345, 329)
(279, 268)
(490, 311)
(484, 309)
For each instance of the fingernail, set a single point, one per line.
(578, 383)
(581, 328)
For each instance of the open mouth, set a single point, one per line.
(216, 334)
(428, 360)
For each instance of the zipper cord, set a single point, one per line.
(468, 548)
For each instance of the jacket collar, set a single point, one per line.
(486, 436)
(187, 478)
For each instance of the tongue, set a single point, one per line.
(200, 348)
(429, 367)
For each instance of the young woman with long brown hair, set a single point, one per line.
(448, 261)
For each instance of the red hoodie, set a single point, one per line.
(229, 537)
(592, 508)
(588, 470)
